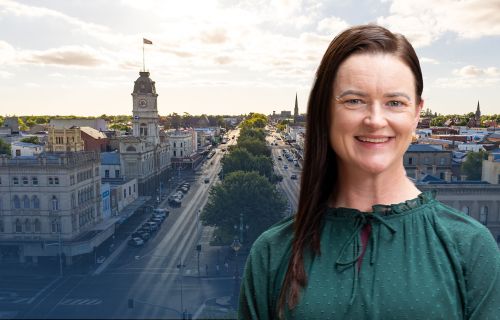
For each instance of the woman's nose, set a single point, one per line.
(375, 116)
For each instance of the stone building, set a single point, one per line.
(65, 140)
(184, 148)
(143, 155)
(491, 169)
(94, 140)
(420, 159)
(50, 198)
(480, 201)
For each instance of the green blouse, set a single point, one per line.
(423, 260)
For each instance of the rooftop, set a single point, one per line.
(110, 158)
(424, 148)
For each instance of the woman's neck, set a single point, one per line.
(359, 190)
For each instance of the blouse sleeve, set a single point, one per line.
(254, 291)
(482, 278)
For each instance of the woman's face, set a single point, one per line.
(373, 112)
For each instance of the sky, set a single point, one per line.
(80, 57)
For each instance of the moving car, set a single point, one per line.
(207, 180)
(293, 177)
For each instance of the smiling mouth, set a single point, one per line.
(373, 140)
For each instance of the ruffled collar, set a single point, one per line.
(386, 210)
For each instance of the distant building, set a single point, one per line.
(65, 140)
(476, 120)
(23, 149)
(420, 159)
(184, 149)
(94, 140)
(12, 123)
(478, 200)
(491, 169)
(46, 197)
(98, 124)
(286, 114)
(296, 110)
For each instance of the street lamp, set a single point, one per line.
(236, 246)
(181, 266)
(241, 227)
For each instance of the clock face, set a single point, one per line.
(143, 103)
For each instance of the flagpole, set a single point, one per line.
(143, 64)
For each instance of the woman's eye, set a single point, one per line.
(354, 101)
(395, 103)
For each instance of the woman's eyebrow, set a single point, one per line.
(354, 92)
(396, 94)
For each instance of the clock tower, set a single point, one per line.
(145, 109)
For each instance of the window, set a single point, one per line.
(16, 202)
(442, 161)
(106, 173)
(181, 153)
(1, 226)
(174, 145)
(73, 200)
(96, 172)
(124, 193)
(410, 160)
(129, 190)
(483, 215)
(117, 173)
(56, 180)
(55, 203)
(27, 225)
(26, 202)
(18, 153)
(34, 181)
(25, 180)
(15, 180)
(51, 181)
(498, 180)
(427, 160)
(38, 226)
(175, 154)
(134, 189)
(72, 180)
(55, 226)
(36, 202)
(0, 180)
(18, 226)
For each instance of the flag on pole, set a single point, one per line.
(146, 41)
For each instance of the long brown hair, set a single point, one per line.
(319, 175)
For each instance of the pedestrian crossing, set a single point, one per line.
(80, 302)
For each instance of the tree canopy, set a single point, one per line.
(5, 147)
(473, 165)
(248, 194)
(32, 139)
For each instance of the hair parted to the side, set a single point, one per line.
(319, 174)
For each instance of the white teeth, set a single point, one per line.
(373, 140)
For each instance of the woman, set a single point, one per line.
(365, 243)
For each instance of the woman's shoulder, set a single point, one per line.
(276, 239)
(464, 230)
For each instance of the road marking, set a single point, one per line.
(80, 302)
(43, 290)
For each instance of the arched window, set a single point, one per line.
(18, 226)
(26, 202)
(36, 202)
(16, 202)
(483, 215)
(27, 225)
(1, 226)
(55, 203)
(25, 180)
(38, 226)
(54, 226)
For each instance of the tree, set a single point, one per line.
(473, 165)
(254, 146)
(32, 139)
(242, 160)
(5, 148)
(246, 193)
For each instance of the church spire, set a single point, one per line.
(296, 110)
(478, 110)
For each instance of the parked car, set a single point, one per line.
(153, 225)
(160, 212)
(280, 158)
(293, 177)
(206, 180)
(136, 242)
(158, 221)
(145, 235)
(100, 259)
(285, 167)
(183, 189)
(159, 217)
(174, 202)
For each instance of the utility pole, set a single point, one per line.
(59, 226)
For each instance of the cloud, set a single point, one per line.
(425, 21)
(472, 71)
(216, 36)
(223, 60)
(64, 56)
(470, 76)
(428, 60)
(332, 25)
(5, 74)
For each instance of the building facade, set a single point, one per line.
(65, 140)
(50, 198)
(143, 156)
(420, 159)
